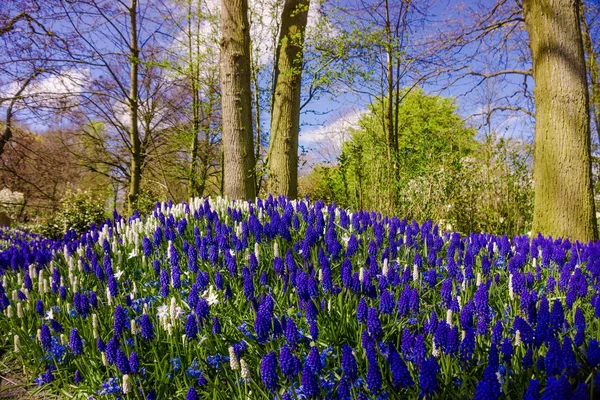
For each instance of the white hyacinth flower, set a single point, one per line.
(126, 384)
(95, 325)
(415, 273)
(173, 309)
(245, 370)
(233, 359)
(435, 351)
(385, 268)
(17, 341)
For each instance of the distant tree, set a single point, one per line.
(431, 135)
(592, 60)
(194, 58)
(40, 167)
(378, 60)
(443, 173)
(32, 47)
(127, 88)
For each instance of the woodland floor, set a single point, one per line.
(15, 385)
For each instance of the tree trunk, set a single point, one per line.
(237, 101)
(564, 198)
(592, 65)
(257, 127)
(194, 71)
(285, 112)
(392, 140)
(134, 134)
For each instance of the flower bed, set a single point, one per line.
(281, 299)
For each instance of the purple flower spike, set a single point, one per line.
(75, 342)
(192, 394)
(268, 371)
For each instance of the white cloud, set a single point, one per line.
(324, 144)
(58, 90)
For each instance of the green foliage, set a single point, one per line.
(440, 171)
(146, 200)
(78, 210)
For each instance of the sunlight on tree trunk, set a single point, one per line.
(134, 135)
(562, 174)
(239, 166)
(285, 113)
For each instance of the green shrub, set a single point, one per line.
(146, 200)
(78, 210)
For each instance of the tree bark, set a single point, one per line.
(238, 149)
(194, 71)
(285, 112)
(563, 199)
(134, 134)
(592, 65)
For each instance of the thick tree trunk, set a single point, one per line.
(285, 113)
(239, 166)
(592, 65)
(134, 134)
(564, 199)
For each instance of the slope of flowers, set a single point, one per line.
(293, 300)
